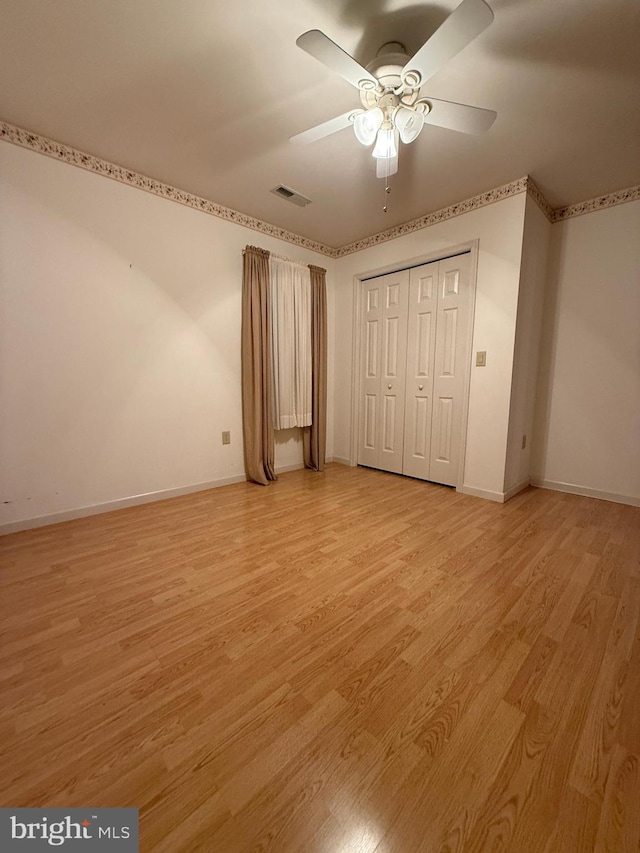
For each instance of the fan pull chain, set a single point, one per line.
(387, 187)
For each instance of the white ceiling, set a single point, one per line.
(204, 94)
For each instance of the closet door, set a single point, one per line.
(421, 346)
(384, 355)
(452, 353)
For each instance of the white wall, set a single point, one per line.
(119, 341)
(533, 271)
(120, 355)
(499, 229)
(588, 417)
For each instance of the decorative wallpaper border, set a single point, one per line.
(593, 204)
(482, 200)
(58, 151)
(67, 154)
(534, 191)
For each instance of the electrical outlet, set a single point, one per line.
(481, 359)
(226, 437)
(524, 441)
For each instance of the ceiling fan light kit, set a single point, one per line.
(409, 123)
(386, 147)
(367, 124)
(389, 88)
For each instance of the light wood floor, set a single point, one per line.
(347, 662)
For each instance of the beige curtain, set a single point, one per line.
(259, 448)
(290, 288)
(315, 436)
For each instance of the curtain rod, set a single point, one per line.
(298, 263)
(282, 258)
(288, 260)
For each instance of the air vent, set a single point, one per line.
(291, 195)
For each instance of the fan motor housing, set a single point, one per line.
(387, 67)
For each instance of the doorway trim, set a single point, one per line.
(472, 246)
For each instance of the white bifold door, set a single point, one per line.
(415, 349)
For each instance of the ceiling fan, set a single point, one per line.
(390, 87)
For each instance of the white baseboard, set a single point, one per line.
(498, 497)
(109, 506)
(519, 487)
(298, 465)
(631, 500)
(124, 503)
(341, 461)
(283, 469)
(151, 497)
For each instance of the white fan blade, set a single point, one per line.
(326, 128)
(466, 22)
(381, 167)
(320, 46)
(460, 117)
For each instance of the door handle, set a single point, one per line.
(420, 387)
(389, 387)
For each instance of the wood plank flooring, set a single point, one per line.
(345, 662)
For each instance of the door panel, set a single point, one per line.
(389, 423)
(370, 413)
(415, 333)
(442, 429)
(450, 283)
(370, 372)
(450, 338)
(424, 350)
(452, 354)
(372, 349)
(420, 429)
(383, 369)
(396, 289)
(423, 299)
(391, 349)
(393, 294)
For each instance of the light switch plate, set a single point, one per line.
(226, 437)
(481, 359)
